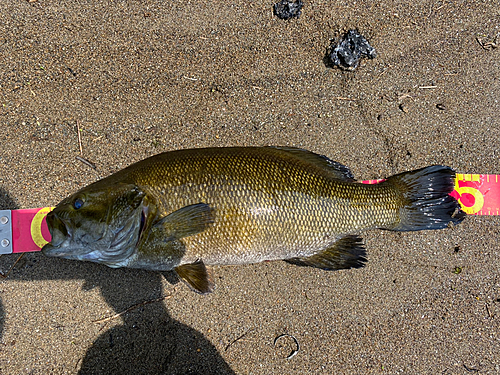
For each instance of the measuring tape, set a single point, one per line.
(26, 230)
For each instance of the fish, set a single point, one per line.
(191, 209)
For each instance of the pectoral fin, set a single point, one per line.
(197, 276)
(348, 252)
(187, 221)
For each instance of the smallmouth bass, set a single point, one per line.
(183, 210)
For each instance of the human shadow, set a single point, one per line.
(148, 341)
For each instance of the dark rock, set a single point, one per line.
(287, 9)
(349, 49)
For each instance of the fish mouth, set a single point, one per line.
(60, 235)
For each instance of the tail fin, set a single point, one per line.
(426, 200)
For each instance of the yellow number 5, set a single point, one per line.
(478, 198)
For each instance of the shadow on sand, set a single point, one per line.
(149, 341)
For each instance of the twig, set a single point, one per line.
(470, 369)
(85, 161)
(427, 87)
(488, 310)
(12, 267)
(488, 45)
(342, 98)
(79, 137)
(404, 96)
(77, 363)
(238, 338)
(132, 308)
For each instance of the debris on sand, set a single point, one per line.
(294, 352)
(287, 9)
(349, 49)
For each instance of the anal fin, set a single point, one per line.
(348, 252)
(197, 276)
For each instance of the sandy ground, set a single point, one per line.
(142, 77)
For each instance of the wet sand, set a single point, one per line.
(139, 78)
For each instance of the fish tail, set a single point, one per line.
(426, 203)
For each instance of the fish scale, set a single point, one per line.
(186, 209)
(309, 211)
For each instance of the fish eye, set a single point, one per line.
(78, 203)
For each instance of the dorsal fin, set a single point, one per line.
(338, 170)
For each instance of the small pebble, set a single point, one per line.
(287, 9)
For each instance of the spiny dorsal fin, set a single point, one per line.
(340, 171)
(187, 221)
(348, 252)
(197, 276)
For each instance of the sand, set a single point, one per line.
(141, 77)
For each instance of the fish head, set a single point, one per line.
(102, 223)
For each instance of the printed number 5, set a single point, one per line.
(478, 199)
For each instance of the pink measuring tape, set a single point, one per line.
(26, 230)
